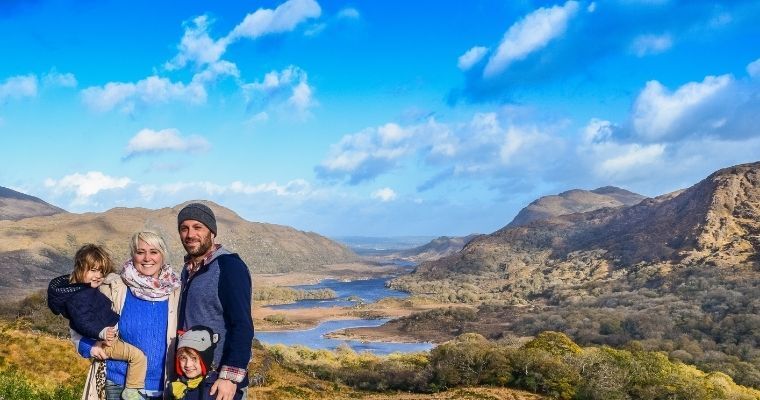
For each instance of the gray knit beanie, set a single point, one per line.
(198, 212)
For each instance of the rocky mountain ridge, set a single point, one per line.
(715, 222)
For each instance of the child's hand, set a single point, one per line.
(110, 336)
(98, 352)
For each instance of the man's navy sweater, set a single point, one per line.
(218, 296)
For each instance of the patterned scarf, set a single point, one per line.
(147, 287)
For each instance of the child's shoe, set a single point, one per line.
(132, 394)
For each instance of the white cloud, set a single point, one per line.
(657, 112)
(86, 185)
(518, 140)
(597, 131)
(197, 46)
(385, 195)
(482, 145)
(126, 96)
(286, 91)
(284, 18)
(214, 71)
(531, 33)
(753, 69)
(471, 57)
(369, 151)
(301, 97)
(349, 13)
(19, 86)
(297, 188)
(632, 157)
(57, 79)
(151, 141)
(645, 45)
(391, 134)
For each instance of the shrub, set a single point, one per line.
(15, 386)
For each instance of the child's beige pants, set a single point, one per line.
(136, 360)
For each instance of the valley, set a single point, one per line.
(674, 277)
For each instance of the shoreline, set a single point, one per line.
(293, 319)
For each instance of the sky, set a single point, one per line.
(372, 118)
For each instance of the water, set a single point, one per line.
(368, 290)
(315, 339)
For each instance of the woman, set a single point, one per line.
(146, 295)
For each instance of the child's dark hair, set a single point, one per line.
(90, 257)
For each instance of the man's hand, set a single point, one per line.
(98, 352)
(224, 389)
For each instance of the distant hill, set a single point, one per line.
(379, 246)
(575, 201)
(436, 248)
(34, 250)
(15, 206)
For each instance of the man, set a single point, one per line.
(216, 292)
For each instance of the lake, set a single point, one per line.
(369, 291)
(315, 339)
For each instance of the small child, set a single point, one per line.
(89, 312)
(194, 365)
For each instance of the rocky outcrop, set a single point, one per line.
(575, 201)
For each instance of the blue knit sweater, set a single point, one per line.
(142, 324)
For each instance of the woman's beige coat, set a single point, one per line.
(115, 289)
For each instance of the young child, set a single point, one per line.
(194, 365)
(89, 312)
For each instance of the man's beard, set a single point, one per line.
(204, 246)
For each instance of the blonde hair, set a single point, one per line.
(90, 257)
(151, 238)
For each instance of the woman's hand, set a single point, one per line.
(97, 351)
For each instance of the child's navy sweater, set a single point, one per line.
(87, 309)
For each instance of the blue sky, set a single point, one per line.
(372, 118)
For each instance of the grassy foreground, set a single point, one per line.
(36, 365)
(40, 366)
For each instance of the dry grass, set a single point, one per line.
(44, 360)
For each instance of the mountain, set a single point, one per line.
(575, 201)
(435, 249)
(715, 222)
(34, 250)
(15, 206)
